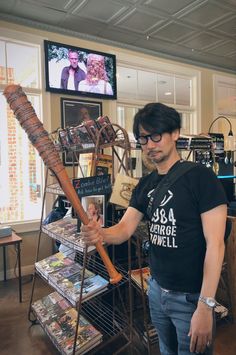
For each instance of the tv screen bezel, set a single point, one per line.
(77, 92)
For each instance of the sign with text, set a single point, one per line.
(93, 185)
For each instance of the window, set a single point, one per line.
(20, 165)
(137, 87)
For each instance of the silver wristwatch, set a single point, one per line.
(209, 301)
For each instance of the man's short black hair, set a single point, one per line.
(156, 118)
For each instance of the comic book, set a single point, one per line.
(68, 272)
(50, 306)
(108, 131)
(70, 287)
(136, 277)
(86, 140)
(65, 231)
(100, 164)
(59, 320)
(62, 332)
(52, 263)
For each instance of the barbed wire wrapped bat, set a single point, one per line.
(39, 137)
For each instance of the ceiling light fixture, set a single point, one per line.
(168, 93)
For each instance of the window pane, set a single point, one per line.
(2, 63)
(127, 82)
(20, 169)
(165, 89)
(186, 119)
(146, 86)
(23, 65)
(226, 103)
(182, 91)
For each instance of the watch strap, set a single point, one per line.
(208, 301)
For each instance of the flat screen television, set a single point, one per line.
(79, 71)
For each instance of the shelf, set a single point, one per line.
(109, 320)
(55, 189)
(95, 274)
(59, 323)
(65, 231)
(87, 289)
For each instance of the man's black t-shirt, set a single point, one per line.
(177, 243)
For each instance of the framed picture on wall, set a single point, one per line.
(74, 113)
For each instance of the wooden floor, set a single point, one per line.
(19, 337)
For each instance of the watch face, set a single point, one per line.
(211, 302)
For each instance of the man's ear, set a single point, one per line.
(175, 134)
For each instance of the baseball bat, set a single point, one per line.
(39, 137)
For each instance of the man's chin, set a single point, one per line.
(155, 157)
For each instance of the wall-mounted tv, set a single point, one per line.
(79, 71)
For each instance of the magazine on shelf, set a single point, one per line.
(62, 331)
(70, 287)
(52, 263)
(67, 272)
(86, 140)
(50, 307)
(151, 334)
(108, 131)
(65, 231)
(74, 138)
(59, 320)
(93, 131)
(136, 277)
(100, 164)
(55, 189)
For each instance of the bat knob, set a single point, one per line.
(116, 278)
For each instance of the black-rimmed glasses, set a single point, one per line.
(155, 137)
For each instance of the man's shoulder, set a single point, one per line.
(65, 69)
(147, 180)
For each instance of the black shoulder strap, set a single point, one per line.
(157, 195)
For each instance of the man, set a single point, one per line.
(73, 74)
(186, 237)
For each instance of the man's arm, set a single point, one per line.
(117, 234)
(64, 77)
(213, 223)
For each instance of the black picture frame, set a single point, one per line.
(72, 116)
(56, 59)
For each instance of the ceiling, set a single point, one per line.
(200, 32)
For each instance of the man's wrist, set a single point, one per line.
(209, 302)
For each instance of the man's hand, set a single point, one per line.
(91, 233)
(201, 329)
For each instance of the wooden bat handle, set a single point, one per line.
(39, 137)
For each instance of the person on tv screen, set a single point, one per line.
(71, 75)
(96, 80)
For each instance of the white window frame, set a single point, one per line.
(160, 67)
(26, 38)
